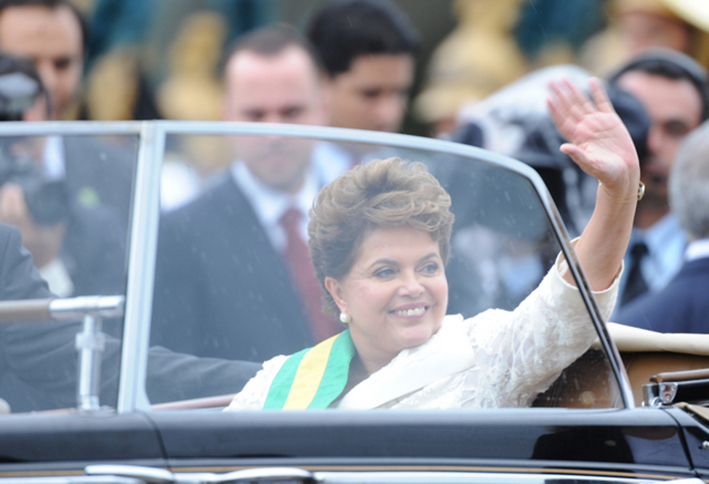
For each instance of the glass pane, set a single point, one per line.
(70, 197)
(230, 285)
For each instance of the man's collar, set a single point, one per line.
(660, 233)
(268, 203)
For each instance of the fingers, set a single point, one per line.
(580, 103)
(570, 101)
(600, 97)
(576, 154)
(555, 114)
(561, 104)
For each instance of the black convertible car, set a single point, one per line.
(105, 384)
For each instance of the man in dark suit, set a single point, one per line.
(78, 247)
(38, 361)
(674, 91)
(53, 34)
(19, 278)
(683, 305)
(224, 286)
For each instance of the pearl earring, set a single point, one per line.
(345, 318)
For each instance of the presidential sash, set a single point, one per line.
(314, 377)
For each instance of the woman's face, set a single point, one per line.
(396, 293)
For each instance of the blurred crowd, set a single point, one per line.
(352, 64)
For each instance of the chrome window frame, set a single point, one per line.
(145, 215)
(128, 474)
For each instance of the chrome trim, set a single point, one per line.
(269, 474)
(70, 128)
(668, 392)
(90, 344)
(152, 475)
(71, 480)
(74, 309)
(650, 395)
(141, 269)
(482, 477)
(332, 477)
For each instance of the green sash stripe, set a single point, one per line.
(336, 371)
(281, 385)
(334, 377)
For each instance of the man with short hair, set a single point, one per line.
(78, 250)
(53, 34)
(673, 89)
(227, 282)
(38, 361)
(368, 49)
(683, 305)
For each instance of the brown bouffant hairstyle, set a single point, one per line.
(381, 194)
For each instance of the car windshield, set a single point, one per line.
(214, 286)
(70, 193)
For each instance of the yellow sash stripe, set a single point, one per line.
(307, 378)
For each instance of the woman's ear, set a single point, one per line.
(335, 290)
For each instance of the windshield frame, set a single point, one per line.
(145, 215)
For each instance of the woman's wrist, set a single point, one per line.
(633, 198)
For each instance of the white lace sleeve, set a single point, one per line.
(520, 353)
(253, 395)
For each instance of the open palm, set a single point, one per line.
(597, 139)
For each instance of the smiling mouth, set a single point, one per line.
(410, 313)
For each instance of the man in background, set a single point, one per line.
(368, 49)
(673, 89)
(78, 250)
(38, 361)
(85, 252)
(682, 306)
(53, 34)
(233, 276)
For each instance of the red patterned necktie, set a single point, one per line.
(303, 274)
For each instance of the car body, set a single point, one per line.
(141, 421)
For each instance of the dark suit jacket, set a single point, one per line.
(94, 251)
(681, 307)
(99, 179)
(221, 289)
(23, 362)
(18, 277)
(38, 361)
(100, 172)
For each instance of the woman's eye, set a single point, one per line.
(384, 273)
(431, 268)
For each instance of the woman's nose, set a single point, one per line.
(411, 286)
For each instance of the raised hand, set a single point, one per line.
(600, 144)
(598, 141)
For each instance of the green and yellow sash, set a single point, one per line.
(314, 377)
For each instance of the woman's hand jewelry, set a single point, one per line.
(630, 199)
